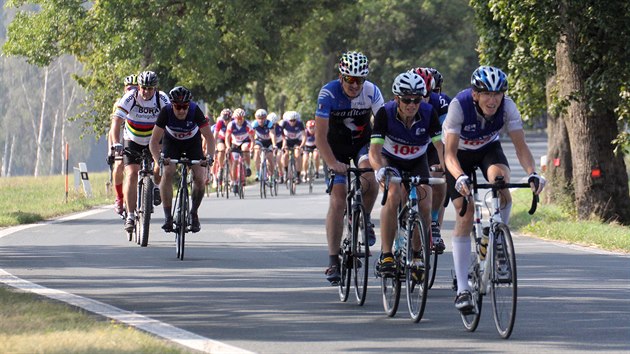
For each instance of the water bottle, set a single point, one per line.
(399, 241)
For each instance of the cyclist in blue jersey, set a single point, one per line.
(181, 125)
(294, 138)
(342, 132)
(403, 129)
(437, 169)
(476, 117)
(265, 137)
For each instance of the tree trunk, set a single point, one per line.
(52, 145)
(600, 179)
(259, 95)
(11, 156)
(40, 135)
(559, 189)
(5, 155)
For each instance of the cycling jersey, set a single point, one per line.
(348, 118)
(221, 126)
(240, 134)
(400, 142)
(440, 103)
(263, 131)
(140, 115)
(182, 129)
(292, 132)
(310, 138)
(473, 129)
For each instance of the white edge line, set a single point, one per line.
(147, 324)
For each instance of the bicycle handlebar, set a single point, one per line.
(413, 180)
(349, 171)
(503, 185)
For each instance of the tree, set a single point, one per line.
(576, 53)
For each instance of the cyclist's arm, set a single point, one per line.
(210, 144)
(377, 140)
(114, 130)
(154, 144)
(522, 151)
(450, 155)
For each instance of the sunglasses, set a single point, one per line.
(147, 88)
(353, 79)
(181, 107)
(407, 100)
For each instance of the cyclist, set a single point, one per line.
(310, 148)
(265, 137)
(278, 131)
(139, 111)
(238, 136)
(437, 169)
(293, 138)
(475, 118)
(131, 83)
(403, 129)
(181, 126)
(219, 137)
(342, 132)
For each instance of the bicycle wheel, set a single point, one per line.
(417, 287)
(504, 286)
(360, 253)
(345, 270)
(471, 319)
(226, 177)
(183, 225)
(311, 174)
(262, 172)
(390, 289)
(291, 177)
(433, 271)
(274, 182)
(144, 212)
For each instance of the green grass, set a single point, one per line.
(32, 324)
(553, 223)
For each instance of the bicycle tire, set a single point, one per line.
(360, 254)
(180, 239)
(144, 213)
(311, 173)
(417, 291)
(274, 182)
(433, 270)
(504, 285)
(226, 176)
(262, 176)
(471, 320)
(291, 177)
(345, 268)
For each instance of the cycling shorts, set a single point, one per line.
(414, 167)
(292, 143)
(173, 148)
(263, 143)
(357, 153)
(137, 149)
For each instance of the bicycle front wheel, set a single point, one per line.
(180, 237)
(345, 269)
(504, 286)
(311, 174)
(471, 319)
(262, 177)
(360, 253)
(144, 213)
(433, 271)
(416, 275)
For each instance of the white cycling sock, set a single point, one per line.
(505, 213)
(461, 261)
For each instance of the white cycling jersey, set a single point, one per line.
(140, 115)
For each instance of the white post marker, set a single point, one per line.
(85, 179)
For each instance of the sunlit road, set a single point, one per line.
(253, 278)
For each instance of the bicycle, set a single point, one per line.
(240, 181)
(310, 172)
(410, 225)
(181, 212)
(355, 250)
(223, 179)
(144, 201)
(495, 272)
(265, 179)
(292, 175)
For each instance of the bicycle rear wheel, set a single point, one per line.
(504, 285)
(291, 177)
(433, 271)
(345, 270)
(144, 212)
(417, 281)
(360, 254)
(471, 319)
(180, 238)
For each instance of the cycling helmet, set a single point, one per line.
(310, 124)
(239, 112)
(226, 114)
(437, 76)
(273, 118)
(180, 94)
(260, 113)
(409, 83)
(426, 75)
(489, 78)
(131, 80)
(291, 115)
(148, 78)
(354, 64)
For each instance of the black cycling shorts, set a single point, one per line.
(173, 148)
(136, 159)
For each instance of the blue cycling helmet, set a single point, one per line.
(489, 79)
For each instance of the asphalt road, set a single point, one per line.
(253, 279)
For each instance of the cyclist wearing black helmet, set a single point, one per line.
(138, 110)
(181, 125)
(475, 118)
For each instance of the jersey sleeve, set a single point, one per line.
(435, 128)
(324, 103)
(200, 118)
(454, 118)
(380, 127)
(512, 116)
(377, 100)
(162, 119)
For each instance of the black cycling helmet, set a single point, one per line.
(180, 94)
(148, 78)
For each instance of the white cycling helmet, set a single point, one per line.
(273, 117)
(409, 84)
(291, 115)
(354, 64)
(260, 113)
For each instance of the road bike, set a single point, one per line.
(310, 171)
(266, 180)
(144, 201)
(237, 158)
(223, 178)
(493, 273)
(181, 212)
(292, 176)
(410, 225)
(355, 250)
